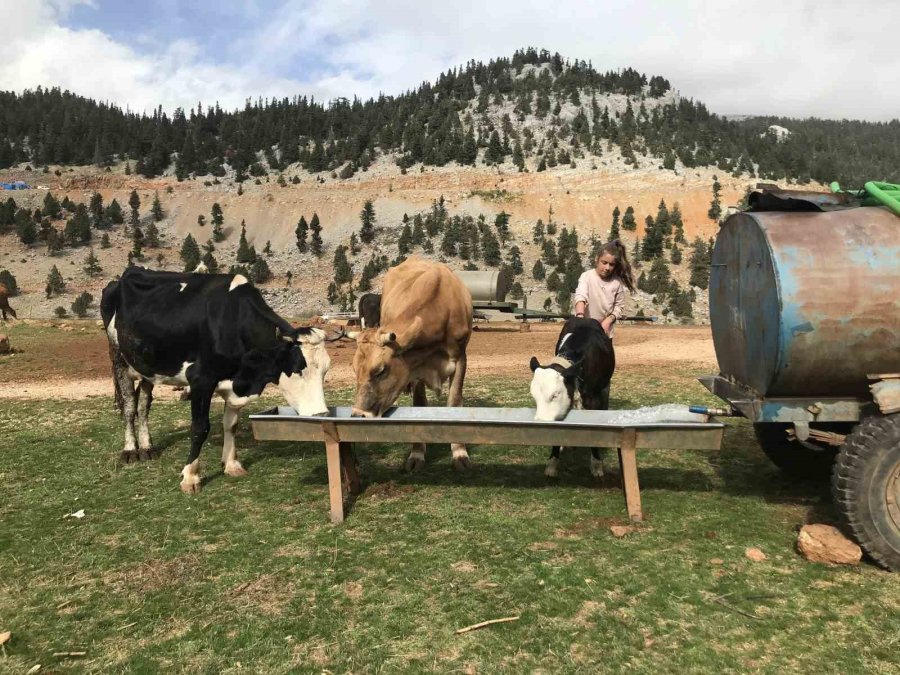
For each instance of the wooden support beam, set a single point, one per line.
(350, 468)
(333, 458)
(628, 466)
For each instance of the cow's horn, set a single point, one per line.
(353, 334)
(337, 336)
(387, 338)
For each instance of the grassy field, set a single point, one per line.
(250, 576)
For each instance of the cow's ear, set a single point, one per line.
(288, 335)
(534, 363)
(406, 339)
(314, 336)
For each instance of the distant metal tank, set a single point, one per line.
(807, 304)
(487, 286)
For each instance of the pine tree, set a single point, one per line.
(715, 206)
(537, 272)
(82, 304)
(245, 253)
(628, 221)
(343, 274)
(137, 244)
(208, 258)
(78, 228)
(367, 220)
(491, 249)
(332, 293)
(537, 234)
(151, 236)
(676, 255)
(405, 242)
(114, 213)
(190, 253)
(217, 217)
(135, 203)
(659, 279)
(201, 220)
(157, 209)
(104, 241)
(259, 271)
(92, 265)
(501, 222)
(55, 282)
(51, 207)
(662, 219)
(548, 253)
(315, 243)
(699, 264)
(514, 261)
(652, 245)
(25, 227)
(677, 224)
(300, 233)
(354, 244)
(267, 249)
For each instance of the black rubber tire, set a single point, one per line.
(795, 460)
(866, 476)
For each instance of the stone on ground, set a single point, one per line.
(826, 544)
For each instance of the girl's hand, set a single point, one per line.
(607, 323)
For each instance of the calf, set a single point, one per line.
(4, 303)
(578, 376)
(370, 310)
(215, 333)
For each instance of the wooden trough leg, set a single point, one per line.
(628, 466)
(333, 457)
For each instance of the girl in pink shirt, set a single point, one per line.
(601, 291)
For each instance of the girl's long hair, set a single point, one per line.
(623, 269)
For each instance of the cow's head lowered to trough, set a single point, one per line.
(382, 366)
(302, 363)
(553, 387)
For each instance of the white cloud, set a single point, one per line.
(766, 57)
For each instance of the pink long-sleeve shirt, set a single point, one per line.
(601, 297)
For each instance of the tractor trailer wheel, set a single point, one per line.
(866, 488)
(796, 460)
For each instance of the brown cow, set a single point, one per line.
(4, 303)
(426, 323)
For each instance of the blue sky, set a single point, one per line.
(799, 58)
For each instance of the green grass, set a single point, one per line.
(250, 575)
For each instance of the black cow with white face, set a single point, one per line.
(578, 376)
(215, 333)
(370, 310)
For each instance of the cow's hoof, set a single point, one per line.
(191, 487)
(462, 463)
(145, 455)
(596, 468)
(235, 469)
(129, 456)
(414, 463)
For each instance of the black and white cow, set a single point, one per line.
(370, 310)
(578, 376)
(215, 333)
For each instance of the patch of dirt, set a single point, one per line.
(265, 593)
(588, 609)
(353, 590)
(388, 491)
(154, 575)
(464, 566)
(490, 353)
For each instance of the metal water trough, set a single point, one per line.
(479, 426)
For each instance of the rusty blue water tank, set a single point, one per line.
(807, 304)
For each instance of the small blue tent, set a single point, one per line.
(17, 185)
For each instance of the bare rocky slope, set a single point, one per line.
(581, 197)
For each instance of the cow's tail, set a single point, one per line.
(118, 368)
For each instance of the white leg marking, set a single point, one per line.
(190, 478)
(183, 286)
(552, 468)
(229, 453)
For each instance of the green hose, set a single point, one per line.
(876, 194)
